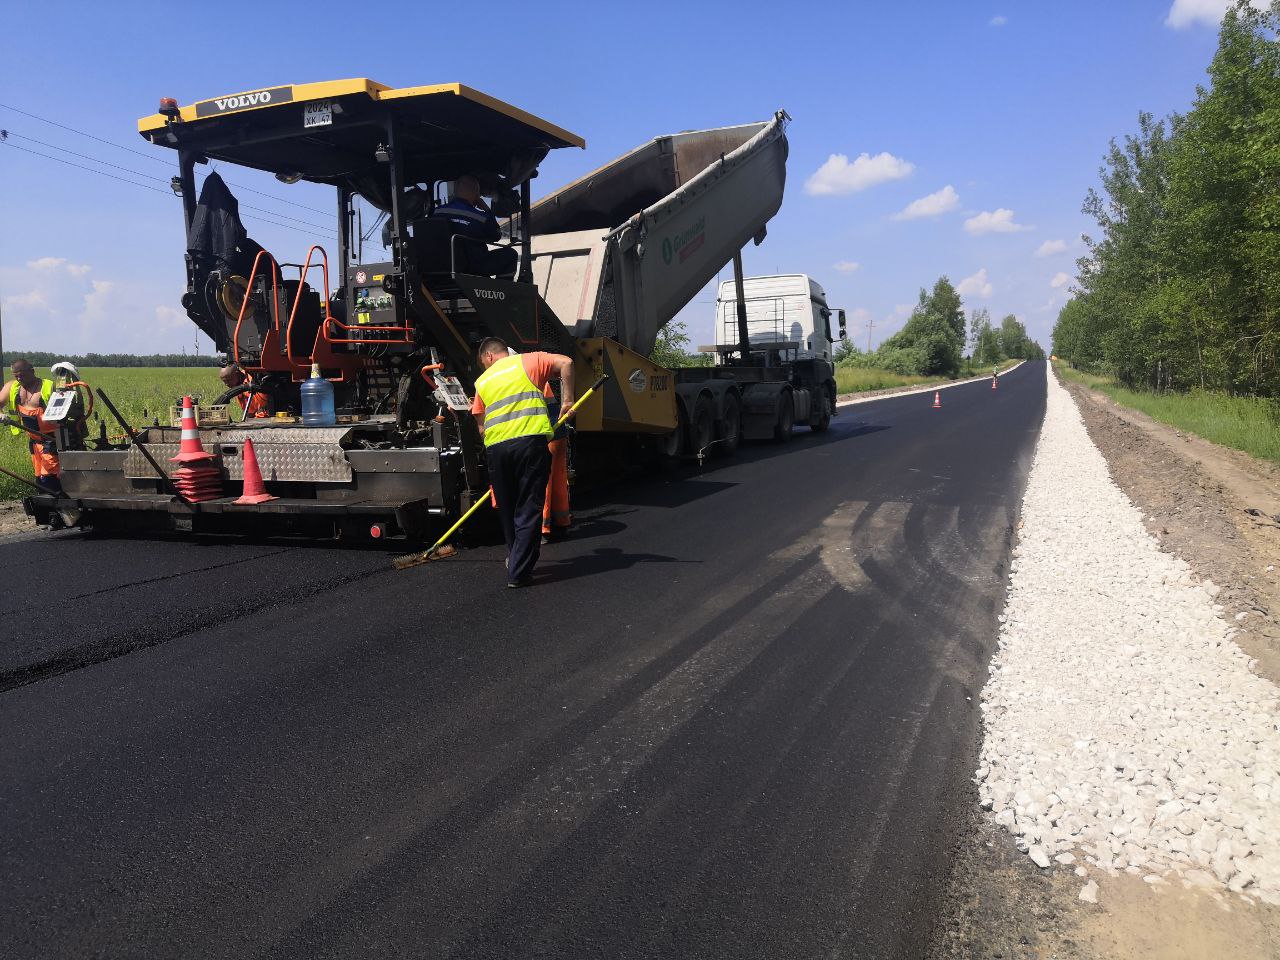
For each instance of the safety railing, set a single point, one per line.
(248, 295)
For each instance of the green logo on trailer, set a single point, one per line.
(683, 245)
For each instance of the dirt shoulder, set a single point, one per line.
(13, 519)
(1196, 498)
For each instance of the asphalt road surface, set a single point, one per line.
(735, 717)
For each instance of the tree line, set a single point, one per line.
(1181, 288)
(936, 336)
(42, 358)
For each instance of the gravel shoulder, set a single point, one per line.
(1196, 498)
(1193, 498)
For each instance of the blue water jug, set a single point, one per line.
(317, 400)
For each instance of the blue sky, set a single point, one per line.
(994, 115)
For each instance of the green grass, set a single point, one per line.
(140, 393)
(1251, 424)
(863, 379)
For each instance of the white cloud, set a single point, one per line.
(1186, 13)
(839, 176)
(934, 205)
(978, 285)
(1059, 280)
(998, 21)
(993, 221)
(847, 266)
(1050, 247)
(63, 307)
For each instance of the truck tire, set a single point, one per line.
(671, 446)
(821, 418)
(702, 428)
(729, 431)
(786, 418)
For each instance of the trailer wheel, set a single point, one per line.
(786, 420)
(702, 428)
(729, 435)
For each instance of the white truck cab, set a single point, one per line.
(788, 312)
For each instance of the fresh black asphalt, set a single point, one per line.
(735, 717)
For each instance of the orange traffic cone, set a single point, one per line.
(994, 381)
(255, 491)
(190, 449)
(198, 479)
(937, 400)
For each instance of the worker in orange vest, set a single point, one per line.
(556, 518)
(24, 399)
(252, 404)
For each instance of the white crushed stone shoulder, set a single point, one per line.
(1122, 724)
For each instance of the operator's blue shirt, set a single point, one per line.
(469, 220)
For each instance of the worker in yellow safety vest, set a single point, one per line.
(512, 415)
(23, 400)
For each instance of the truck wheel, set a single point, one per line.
(786, 420)
(671, 445)
(702, 429)
(729, 433)
(821, 419)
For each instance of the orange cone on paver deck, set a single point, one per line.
(197, 479)
(937, 400)
(190, 449)
(255, 491)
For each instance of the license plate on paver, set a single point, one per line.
(318, 114)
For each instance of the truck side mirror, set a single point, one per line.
(844, 333)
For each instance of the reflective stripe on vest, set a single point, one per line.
(46, 391)
(513, 405)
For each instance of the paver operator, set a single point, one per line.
(24, 399)
(511, 412)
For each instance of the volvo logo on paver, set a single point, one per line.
(638, 380)
(490, 294)
(244, 101)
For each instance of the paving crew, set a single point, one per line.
(24, 399)
(252, 403)
(556, 517)
(511, 412)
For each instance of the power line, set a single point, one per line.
(144, 186)
(149, 156)
(147, 176)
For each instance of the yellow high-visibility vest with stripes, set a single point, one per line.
(513, 405)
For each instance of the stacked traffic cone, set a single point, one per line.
(255, 491)
(197, 479)
(937, 400)
(994, 381)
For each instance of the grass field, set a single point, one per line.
(140, 393)
(1251, 424)
(861, 379)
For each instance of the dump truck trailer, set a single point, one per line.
(602, 265)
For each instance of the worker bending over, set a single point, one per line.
(512, 415)
(23, 400)
(252, 403)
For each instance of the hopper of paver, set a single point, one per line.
(620, 251)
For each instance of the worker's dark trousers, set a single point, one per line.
(518, 470)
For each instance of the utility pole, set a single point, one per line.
(1, 338)
(871, 323)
